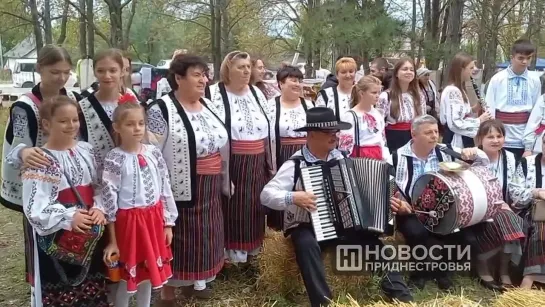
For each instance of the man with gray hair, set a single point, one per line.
(422, 154)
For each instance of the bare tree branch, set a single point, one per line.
(16, 16)
(97, 30)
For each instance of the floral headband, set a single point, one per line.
(127, 98)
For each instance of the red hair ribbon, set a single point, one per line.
(127, 98)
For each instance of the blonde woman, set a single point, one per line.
(337, 98)
(244, 110)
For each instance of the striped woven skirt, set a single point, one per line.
(507, 228)
(534, 258)
(29, 251)
(288, 146)
(198, 241)
(243, 214)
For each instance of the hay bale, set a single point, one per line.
(280, 273)
(520, 298)
(447, 300)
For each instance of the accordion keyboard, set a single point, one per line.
(322, 218)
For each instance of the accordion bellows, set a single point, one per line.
(353, 194)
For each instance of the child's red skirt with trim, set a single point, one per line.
(143, 253)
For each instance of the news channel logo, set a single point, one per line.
(351, 259)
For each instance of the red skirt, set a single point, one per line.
(373, 152)
(143, 252)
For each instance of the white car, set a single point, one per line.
(24, 75)
(164, 64)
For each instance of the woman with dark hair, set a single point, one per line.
(195, 146)
(288, 113)
(401, 103)
(245, 111)
(455, 114)
(257, 77)
(503, 235)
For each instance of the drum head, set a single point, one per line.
(431, 193)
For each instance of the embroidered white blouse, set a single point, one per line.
(344, 100)
(210, 134)
(532, 139)
(456, 113)
(371, 131)
(136, 181)
(41, 188)
(515, 186)
(248, 122)
(406, 107)
(508, 92)
(290, 119)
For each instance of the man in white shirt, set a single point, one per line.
(284, 192)
(512, 94)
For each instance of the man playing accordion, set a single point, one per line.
(285, 192)
(420, 155)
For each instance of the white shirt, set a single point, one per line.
(130, 183)
(344, 100)
(371, 131)
(532, 140)
(290, 119)
(407, 111)
(456, 114)
(508, 92)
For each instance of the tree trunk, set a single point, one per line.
(116, 23)
(413, 32)
(454, 34)
(82, 30)
(36, 25)
(47, 22)
(481, 42)
(90, 28)
(215, 35)
(64, 22)
(492, 29)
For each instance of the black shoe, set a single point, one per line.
(491, 285)
(418, 282)
(444, 282)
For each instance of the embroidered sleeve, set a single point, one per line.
(520, 195)
(157, 126)
(21, 136)
(111, 183)
(530, 135)
(278, 192)
(346, 137)
(170, 211)
(40, 204)
(457, 115)
(489, 97)
(383, 105)
(97, 182)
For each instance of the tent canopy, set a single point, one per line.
(540, 64)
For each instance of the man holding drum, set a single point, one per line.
(423, 154)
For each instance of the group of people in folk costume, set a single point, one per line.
(182, 184)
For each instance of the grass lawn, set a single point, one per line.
(236, 291)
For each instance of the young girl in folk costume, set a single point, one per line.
(288, 113)
(366, 137)
(139, 205)
(401, 103)
(97, 110)
(23, 130)
(504, 234)
(65, 223)
(455, 109)
(337, 97)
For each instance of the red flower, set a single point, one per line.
(141, 161)
(127, 98)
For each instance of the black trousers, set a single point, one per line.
(518, 152)
(308, 256)
(415, 234)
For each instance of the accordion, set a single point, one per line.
(353, 195)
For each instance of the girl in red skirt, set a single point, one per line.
(139, 205)
(366, 137)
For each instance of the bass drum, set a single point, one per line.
(446, 202)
